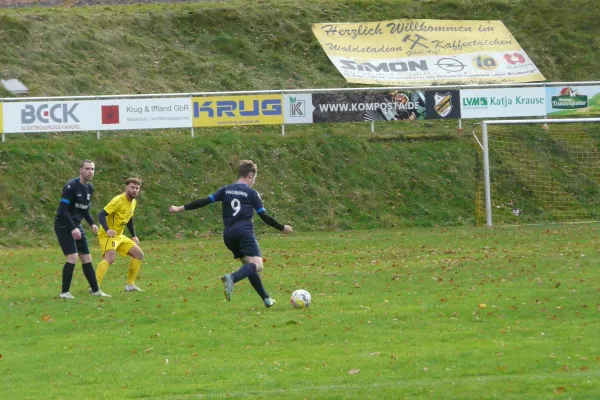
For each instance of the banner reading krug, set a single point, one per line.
(426, 52)
(237, 110)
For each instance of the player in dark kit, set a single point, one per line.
(75, 206)
(239, 201)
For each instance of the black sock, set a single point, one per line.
(67, 276)
(256, 282)
(90, 275)
(245, 271)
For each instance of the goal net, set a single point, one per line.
(538, 171)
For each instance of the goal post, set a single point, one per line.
(536, 171)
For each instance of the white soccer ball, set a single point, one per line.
(300, 299)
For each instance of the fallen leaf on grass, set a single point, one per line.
(47, 318)
(560, 390)
(354, 371)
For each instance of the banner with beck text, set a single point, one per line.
(51, 116)
(424, 52)
(237, 110)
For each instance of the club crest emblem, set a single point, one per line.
(443, 104)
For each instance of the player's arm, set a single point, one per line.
(267, 219)
(131, 229)
(105, 212)
(63, 211)
(90, 220)
(217, 196)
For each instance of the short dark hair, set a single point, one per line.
(137, 181)
(246, 166)
(85, 162)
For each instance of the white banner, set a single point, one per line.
(498, 67)
(517, 102)
(54, 116)
(159, 113)
(298, 108)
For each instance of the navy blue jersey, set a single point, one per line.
(239, 202)
(78, 198)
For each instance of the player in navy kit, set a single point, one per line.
(74, 207)
(239, 201)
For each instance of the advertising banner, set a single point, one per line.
(56, 116)
(492, 103)
(1, 120)
(369, 106)
(237, 110)
(443, 104)
(575, 100)
(422, 52)
(120, 114)
(298, 108)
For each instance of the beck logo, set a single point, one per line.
(110, 115)
(58, 113)
(514, 58)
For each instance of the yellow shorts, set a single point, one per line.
(121, 244)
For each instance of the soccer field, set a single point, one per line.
(438, 313)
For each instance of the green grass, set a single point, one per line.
(400, 306)
(242, 45)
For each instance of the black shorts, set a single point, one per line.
(241, 243)
(67, 243)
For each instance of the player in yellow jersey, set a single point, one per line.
(113, 218)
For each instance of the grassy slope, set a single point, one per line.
(314, 177)
(240, 45)
(313, 181)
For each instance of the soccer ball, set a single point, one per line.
(300, 299)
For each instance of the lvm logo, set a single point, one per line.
(475, 102)
(297, 107)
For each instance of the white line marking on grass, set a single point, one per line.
(404, 383)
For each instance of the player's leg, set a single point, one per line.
(231, 241)
(69, 248)
(108, 246)
(88, 268)
(107, 260)
(255, 279)
(137, 256)
(127, 247)
(252, 265)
